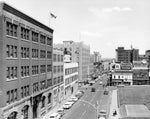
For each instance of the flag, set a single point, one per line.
(53, 16)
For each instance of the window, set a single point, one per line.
(11, 29)
(35, 36)
(11, 96)
(54, 69)
(58, 58)
(49, 68)
(43, 68)
(8, 97)
(49, 82)
(35, 69)
(24, 52)
(35, 53)
(62, 68)
(24, 71)
(11, 72)
(11, 51)
(42, 54)
(35, 87)
(24, 91)
(49, 54)
(61, 58)
(43, 85)
(42, 39)
(54, 59)
(49, 41)
(24, 33)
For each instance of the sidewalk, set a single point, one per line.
(114, 106)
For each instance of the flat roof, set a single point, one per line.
(134, 111)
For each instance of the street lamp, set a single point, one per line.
(95, 107)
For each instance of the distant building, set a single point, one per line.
(26, 65)
(140, 73)
(80, 53)
(127, 55)
(97, 57)
(70, 77)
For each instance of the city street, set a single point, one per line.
(85, 108)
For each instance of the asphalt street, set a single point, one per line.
(85, 108)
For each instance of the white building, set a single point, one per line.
(122, 74)
(70, 77)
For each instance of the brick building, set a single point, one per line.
(26, 48)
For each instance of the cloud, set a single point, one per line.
(116, 9)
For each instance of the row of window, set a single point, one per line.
(58, 58)
(12, 72)
(58, 69)
(71, 79)
(25, 91)
(12, 30)
(11, 96)
(11, 52)
(58, 80)
(71, 70)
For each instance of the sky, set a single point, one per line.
(102, 24)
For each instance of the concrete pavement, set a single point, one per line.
(114, 106)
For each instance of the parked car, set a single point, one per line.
(61, 111)
(100, 83)
(54, 116)
(102, 114)
(106, 92)
(74, 99)
(68, 105)
(79, 94)
(93, 90)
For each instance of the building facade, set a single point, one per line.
(80, 53)
(127, 55)
(26, 65)
(122, 74)
(70, 77)
(140, 73)
(58, 79)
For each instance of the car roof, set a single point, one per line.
(54, 114)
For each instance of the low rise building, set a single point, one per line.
(140, 73)
(122, 74)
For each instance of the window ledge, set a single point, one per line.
(12, 37)
(11, 58)
(11, 79)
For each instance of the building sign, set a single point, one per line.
(125, 67)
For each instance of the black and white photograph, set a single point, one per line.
(74, 59)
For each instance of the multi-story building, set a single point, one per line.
(58, 80)
(70, 77)
(79, 53)
(127, 56)
(122, 74)
(26, 48)
(97, 57)
(140, 73)
(84, 61)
